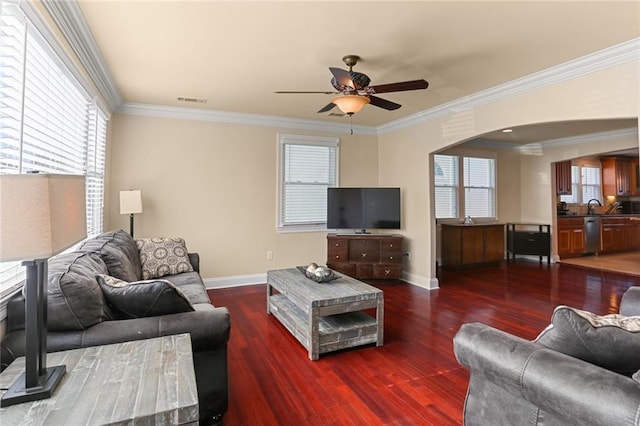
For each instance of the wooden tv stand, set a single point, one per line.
(365, 256)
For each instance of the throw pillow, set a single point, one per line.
(119, 252)
(163, 256)
(74, 299)
(609, 341)
(636, 376)
(143, 298)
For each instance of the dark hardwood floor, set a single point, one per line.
(414, 378)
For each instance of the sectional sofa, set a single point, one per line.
(114, 289)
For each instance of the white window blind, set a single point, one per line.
(446, 185)
(48, 122)
(585, 184)
(308, 166)
(476, 197)
(479, 187)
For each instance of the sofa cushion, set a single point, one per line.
(191, 285)
(609, 341)
(75, 301)
(119, 252)
(163, 256)
(143, 298)
(636, 376)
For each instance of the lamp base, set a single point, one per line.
(18, 393)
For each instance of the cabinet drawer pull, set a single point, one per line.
(337, 256)
(364, 254)
(337, 244)
(391, 245)
(387, 271)
(390, 257)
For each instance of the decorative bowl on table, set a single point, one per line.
(319, 274)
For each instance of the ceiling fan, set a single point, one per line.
(355, 92)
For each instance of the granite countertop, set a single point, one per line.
(568, 216)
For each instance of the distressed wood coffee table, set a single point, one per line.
(325, 317)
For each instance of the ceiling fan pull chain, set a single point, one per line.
(351, 122)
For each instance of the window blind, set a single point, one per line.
(479, 187)
(48, 122)
(308, 168)
(585, 184)
(446, 185)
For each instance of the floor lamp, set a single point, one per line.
(131, 203)
(40, 216)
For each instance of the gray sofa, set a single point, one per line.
(91, 303)
(519, 382)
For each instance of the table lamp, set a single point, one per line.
(40, 215)
(131, 203)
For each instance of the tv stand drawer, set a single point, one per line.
(366, 256)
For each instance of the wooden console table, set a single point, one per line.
(325, 317)
(142, 382)
(529, 239)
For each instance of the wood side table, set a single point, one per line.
(141, 382)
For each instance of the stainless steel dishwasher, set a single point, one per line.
(591, 234)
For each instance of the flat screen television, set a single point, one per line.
(363, 208)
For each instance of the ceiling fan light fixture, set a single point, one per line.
(350, 104)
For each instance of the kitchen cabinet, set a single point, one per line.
(617, 176)
(635, 177)
(570, 237)
(469, 245)
(563, 177)
(620, 234)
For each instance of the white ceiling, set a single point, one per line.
(235, 54)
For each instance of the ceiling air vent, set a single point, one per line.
(192, 100)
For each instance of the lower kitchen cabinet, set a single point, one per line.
(470, 245)
(570, 237)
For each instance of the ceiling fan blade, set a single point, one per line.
(327, 107)
(400, 87)
(343, 77)
(290, 92)
(383, 103)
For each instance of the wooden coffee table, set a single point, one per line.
(325, 317)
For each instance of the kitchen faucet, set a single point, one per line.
(589, 208)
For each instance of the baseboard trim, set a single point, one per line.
(420, 281)
(234, 281)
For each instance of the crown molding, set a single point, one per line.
(619, 54)
(592, 137)
(241, 118)
(70, 20)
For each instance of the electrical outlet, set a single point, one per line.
(269, 255)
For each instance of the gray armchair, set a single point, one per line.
(514, 381)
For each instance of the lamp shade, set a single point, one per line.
(350, 104)
(130, 202)
(40, 215)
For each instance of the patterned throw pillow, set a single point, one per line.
(163, 256)
(609, 341)
(140, 299)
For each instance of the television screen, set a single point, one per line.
(362, 208)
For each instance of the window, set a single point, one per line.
(307, 167)
(48, 121)
(585, 184)
(476, 197)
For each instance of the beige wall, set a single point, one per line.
(215, 185)
(404, 154)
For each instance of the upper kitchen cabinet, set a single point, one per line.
(619, 176)
(563, 177)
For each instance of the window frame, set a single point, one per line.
(290, 139)
(460, 186)
(35, 38)
(577, 186)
